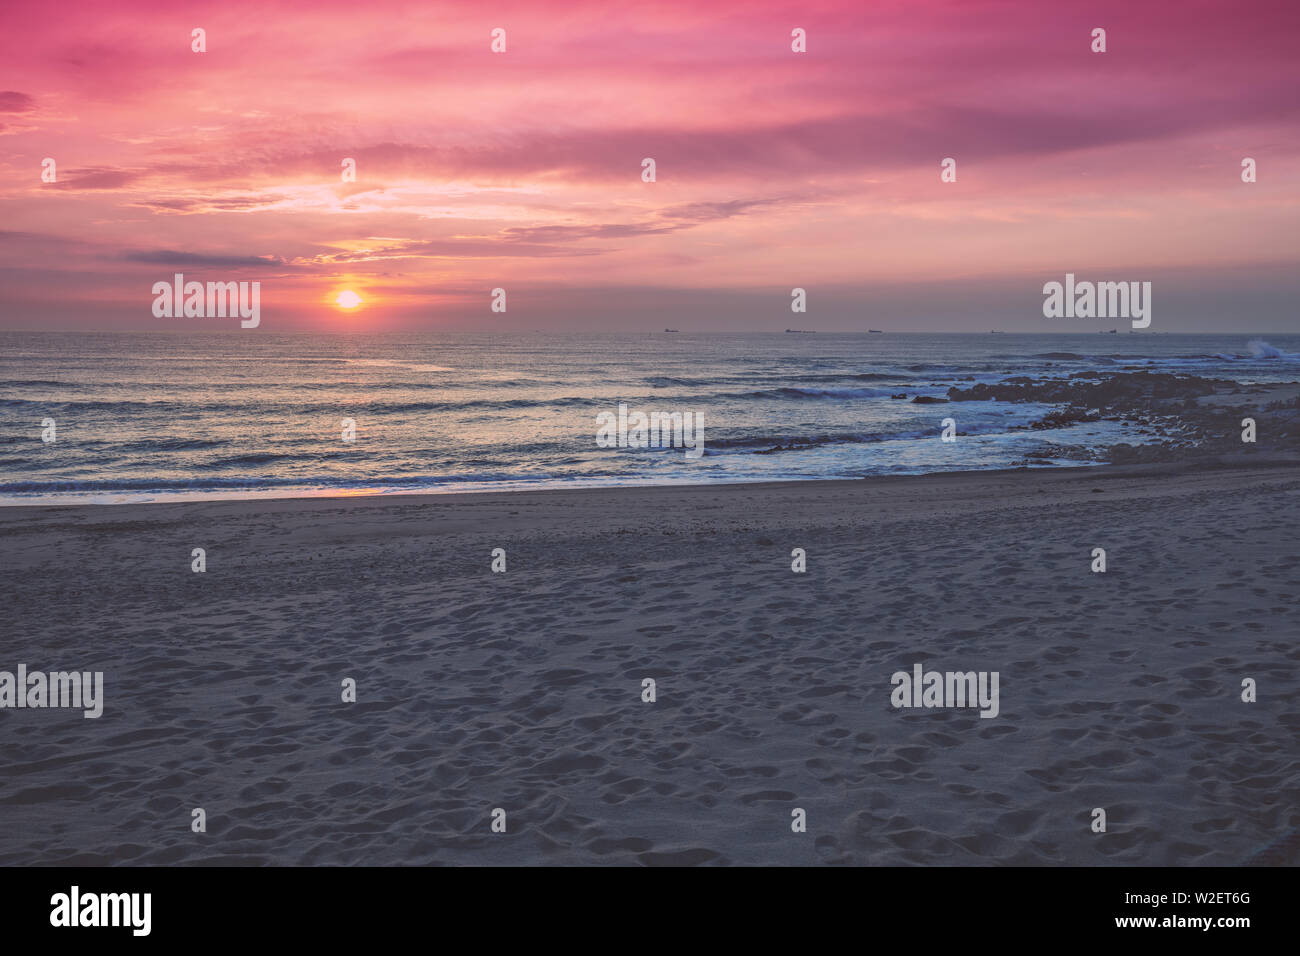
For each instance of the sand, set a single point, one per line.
(522, 690)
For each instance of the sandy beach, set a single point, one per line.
(523, 690)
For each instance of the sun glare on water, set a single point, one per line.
(347, 300)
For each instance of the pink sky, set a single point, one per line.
(522, 170)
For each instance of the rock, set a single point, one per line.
(1066, 416)
(1097, 390)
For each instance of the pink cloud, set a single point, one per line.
(479, 168)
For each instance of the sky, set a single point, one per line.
(522, 170)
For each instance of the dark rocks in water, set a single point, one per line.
(929, 400)
(1165, 411)
(1162, 408)
(899, 395)
(1098, 391)
(1283, 404)
(1062, 417)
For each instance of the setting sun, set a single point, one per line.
(348, 300)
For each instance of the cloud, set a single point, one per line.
(95, 178)
(712, 211)
(14, 102)
(473, 247)
(170, 257)
(807, 169)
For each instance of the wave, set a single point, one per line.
(792, 442)
(256, 458)
(1259, 349)
(1256, 350)
(121, 405)
(173, 444)
(299, 408)
(797, 393)
(800, 442)
(491, 404)
(391, 363)
(861, 377)
(666, 381)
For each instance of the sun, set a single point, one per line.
(347, 299)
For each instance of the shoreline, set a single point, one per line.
(331, 497)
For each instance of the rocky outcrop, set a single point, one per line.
(1099, 390)
(1167, 408)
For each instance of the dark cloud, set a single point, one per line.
(12, 101)
(94, 178)
(712, 211)
(170, 257)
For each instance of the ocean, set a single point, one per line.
(160, 416)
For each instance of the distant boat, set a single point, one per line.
(877, 331)
(801, 331)
(996, 332)
(1108, 332)
(672, 330)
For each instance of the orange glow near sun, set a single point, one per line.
(347, 299)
